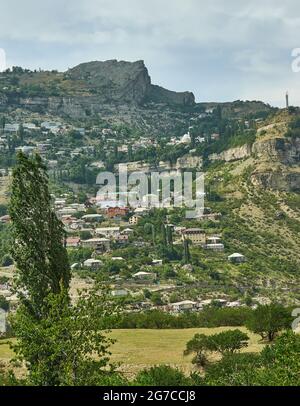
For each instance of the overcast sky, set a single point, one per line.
(220, 50)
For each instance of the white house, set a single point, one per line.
(97, 243)
(184, 305)
(119, 293)
(157, 262)
(236, 258)
(93, 263)
(108, 231)
(144, 275)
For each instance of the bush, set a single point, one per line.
(162, 375)
(7, 260)
(4, 304)
(232, 369)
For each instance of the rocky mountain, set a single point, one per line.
(115, 91)
(125, 82)
(111, 90)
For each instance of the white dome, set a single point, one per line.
(186, 139)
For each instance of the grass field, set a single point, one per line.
(136, 349)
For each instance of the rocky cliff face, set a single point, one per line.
(284, 150)
(276, 162)
(232, 154)
(111, 89)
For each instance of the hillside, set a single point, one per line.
(100, 114)
(112, 90)
(116, 91)
(256, 188)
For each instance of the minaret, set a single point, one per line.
(287, 100)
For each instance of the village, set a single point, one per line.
(97, 229)
(145, 262)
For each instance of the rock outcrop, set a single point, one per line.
(232, 154)
(93, 88)
(276, 162)
(284, 150)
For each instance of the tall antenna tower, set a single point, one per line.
(287, 99)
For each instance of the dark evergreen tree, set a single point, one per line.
(38, 249)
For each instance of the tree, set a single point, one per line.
(198, 345)
(164, 234)
(233, 369)
(156, 299)
(268, 320)
(281, 362)
(2, 122)
(186, 251)
(228, 341)
(277, 365)
(21, 133)
(6, 260)
(149, 228)
(4, 304)
(162, 375)
(170, 235)
(61, 343)
(38, 235)
(67, 346)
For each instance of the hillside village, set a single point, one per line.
(152, 259)
(156, 258)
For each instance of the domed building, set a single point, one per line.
(186, 139)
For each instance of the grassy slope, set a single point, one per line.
(136, 349)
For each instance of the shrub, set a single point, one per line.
(162, 375)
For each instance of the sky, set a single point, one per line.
(220, 50)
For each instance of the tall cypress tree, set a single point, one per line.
(186, 251)
(38, 249)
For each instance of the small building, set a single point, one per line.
(186, 138)
(93, 263)
(66, 211)
(196, 235)
(149, 276)
(213, 240)
(140, 211)
(127, 231)
(214, 243)
(215, 247)
(119, 293)
(236, 258)
(92, 218)
(98, 244)
(185, 305)
(108, 232)
(157, 262)
(73, 242)
(133, 220)
(116, 212)
(122, 238)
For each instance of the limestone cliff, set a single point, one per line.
(232, 154)
(109, 89)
